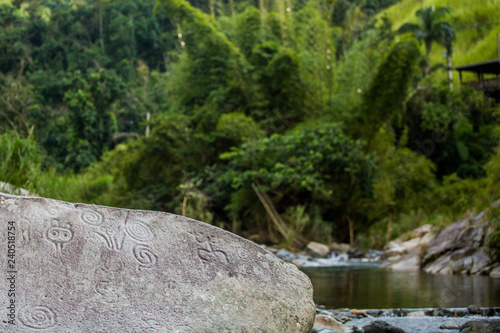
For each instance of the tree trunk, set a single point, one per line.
(450, 72)
(389, 229)
(351, 231)
(231, 4)
(101, 33)
(271, 211)
(184, 206)
(212, 8)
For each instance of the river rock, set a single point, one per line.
(456, 236)
(324, 322)
(481, 261)
(442, 312)
(481, 326)
(11, 189)
(450, 325)
(317, 250)
(340, 247)
(397, 247)
(495, 273)
(84, 268)
(417, 314)
(379, 326)
(474, 310)
(407, 262)
(440, 265)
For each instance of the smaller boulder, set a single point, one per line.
(381, 327)
(355, 253)
(441, 312)
(474, 310)
(417, 314)
(340, 247)
(407, 262)
(324, 322)
(489, 312)
(449, 325)
(495, 273)
(481, 326)
(317, 250)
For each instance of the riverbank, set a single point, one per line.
(426, 320)
(459, 248)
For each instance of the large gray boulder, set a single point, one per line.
(83, 268)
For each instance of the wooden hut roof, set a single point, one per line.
(486, 67)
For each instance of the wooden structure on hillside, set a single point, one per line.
(490, 86)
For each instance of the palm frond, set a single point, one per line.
(409, 27)
(440, 12)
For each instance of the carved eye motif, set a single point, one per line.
(59, 235)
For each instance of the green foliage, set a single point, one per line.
(91, 123)
(454, 129)
(17, 106)
(20, 160)
(215, 64)
(493, 177)
(388, 90)
(307, 166)
(357, 70)
(255, 106)
(303, 224)
(493, 239)
(475, 24)
(431, 29)
(248, 30)
(280, 80)
(237, 128)
(312, 161)
(146, 172)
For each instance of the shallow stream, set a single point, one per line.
(366, 286)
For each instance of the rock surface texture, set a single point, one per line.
(481, 326)
(460, 248)
(83, 268)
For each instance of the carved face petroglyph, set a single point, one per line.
(59, 235)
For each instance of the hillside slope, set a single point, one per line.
(476, 24)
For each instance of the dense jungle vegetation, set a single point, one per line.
(281, 120)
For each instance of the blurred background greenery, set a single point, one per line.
(281, 120)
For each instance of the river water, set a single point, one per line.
(369, 287)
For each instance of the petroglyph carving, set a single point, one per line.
(145, 257)
(112, 264)
(139, 231)
(107, 290)
(113, 238)
(208, 252)
(91, 217)
(37, 317)
(59, 234)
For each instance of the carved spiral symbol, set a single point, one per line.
(38, 317)
(145, 257)
(91, 217)
(140, 231)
